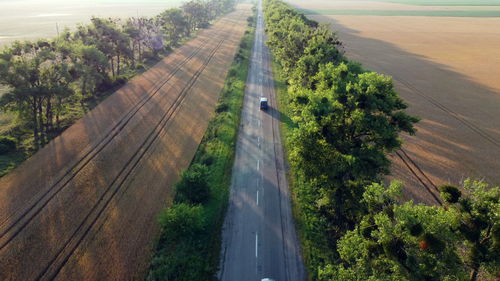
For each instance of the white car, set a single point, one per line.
(267, 279)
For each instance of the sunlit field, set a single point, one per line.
(443, 57)
(31, 19)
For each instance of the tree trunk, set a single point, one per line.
(112, 67)
(40, 120)
(59, 106)
(133, 53)
(139, 47)
(118, 64)
(49, 118)
(35, 124)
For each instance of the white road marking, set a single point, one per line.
(258, 165)
(256, 245)
(257, 198)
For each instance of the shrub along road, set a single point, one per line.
(259, 238)
(84, 207)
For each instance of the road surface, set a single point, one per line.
(259, 239)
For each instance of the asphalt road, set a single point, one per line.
(259, 238)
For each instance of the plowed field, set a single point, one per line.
(446, 69)
(85, 206)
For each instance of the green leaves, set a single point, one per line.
(416, 242)
(193, 187)
(478, 211)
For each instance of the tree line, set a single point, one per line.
(48, 77)
(345, 120)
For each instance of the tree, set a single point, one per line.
(479, 215)
(36, 74)
(90, 64)
(344, 129)
(110, 39)
(174, 24)
(399, 242)
(197, 14)
(183, 227)
(321, 48)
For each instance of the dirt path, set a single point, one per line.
(84, 207)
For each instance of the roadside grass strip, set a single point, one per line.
(189, 244)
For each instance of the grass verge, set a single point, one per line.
(190, 238)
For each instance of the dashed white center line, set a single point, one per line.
(257, 198)
(258, 165)
(256, 245)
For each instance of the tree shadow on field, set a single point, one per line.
(459, 134)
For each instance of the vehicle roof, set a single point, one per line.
(264, 99)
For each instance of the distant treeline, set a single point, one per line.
(48, 78)
(343, 120)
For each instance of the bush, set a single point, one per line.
(7, 144)
(182, 227)
(180, 221)
(193, 186)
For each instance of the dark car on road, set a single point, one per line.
(263, 103)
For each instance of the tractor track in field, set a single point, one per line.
(8, 226)
(412, 166)
(476, 129)
(56, 264)
(420, 175)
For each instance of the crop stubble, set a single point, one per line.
(447, 70)
(97, 219)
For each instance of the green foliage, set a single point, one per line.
(7, 144)
(193, 186)
(182, 228)
(416, 243)
(479, 214)
(420, 242)
(182, 220)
